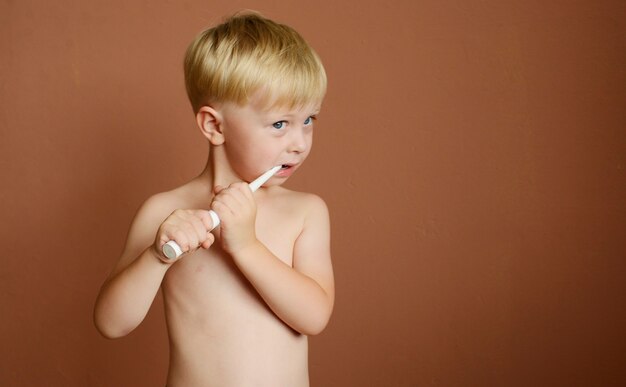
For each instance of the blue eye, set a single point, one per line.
(309, 121)
(279, 124)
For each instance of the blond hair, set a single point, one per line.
(248, 54)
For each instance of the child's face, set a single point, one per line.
(256, 139)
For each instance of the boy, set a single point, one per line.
(239, 304)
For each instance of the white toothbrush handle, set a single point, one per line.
(172, 250)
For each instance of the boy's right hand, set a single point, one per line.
(190, 229)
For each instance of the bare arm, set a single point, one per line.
(128, 293)
(303, 295)
(125, 298)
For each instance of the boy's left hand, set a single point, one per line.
(236, 208)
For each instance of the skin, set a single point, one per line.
(241, 302)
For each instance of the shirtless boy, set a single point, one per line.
(241, 300)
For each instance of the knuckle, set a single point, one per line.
(205, 218)
(195, 222)
(200, 233)
(179, 236)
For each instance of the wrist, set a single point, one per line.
(157, 255)
(245, 249)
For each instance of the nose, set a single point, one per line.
(299, 141)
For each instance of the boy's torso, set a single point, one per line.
(221, 332)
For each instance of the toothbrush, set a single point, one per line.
(172, 250)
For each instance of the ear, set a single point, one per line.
(209, 121)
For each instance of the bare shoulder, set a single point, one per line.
(160, 205)
(152, 212)
(303, 200)
(304, 207)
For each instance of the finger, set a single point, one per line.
(237, 202)
(242, 193)
(206, 219)
(199, 228)
(221, 209)
(210, 238)
(181, 240)
(191, 234)
(226, 197)
(243, 187)
(237, 193)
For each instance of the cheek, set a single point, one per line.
(272, 154)
(263, 155)
(241, 147)
(309, 141)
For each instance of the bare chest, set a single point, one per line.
(205, 289)
(217, 320)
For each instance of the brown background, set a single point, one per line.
(473, 155)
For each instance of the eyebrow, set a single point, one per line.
(291, 115)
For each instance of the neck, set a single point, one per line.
(218, 170)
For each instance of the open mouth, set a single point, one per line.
(285, 166)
